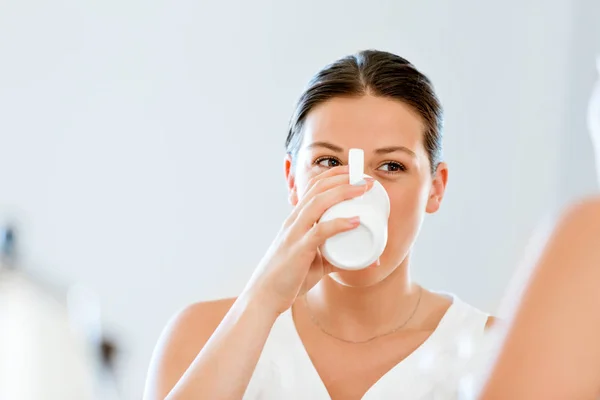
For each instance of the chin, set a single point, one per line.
(362, 278)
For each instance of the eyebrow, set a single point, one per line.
(325, 145)
(392, 149)
(383, 150)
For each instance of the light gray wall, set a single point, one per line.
(141, 143)
(578, 174)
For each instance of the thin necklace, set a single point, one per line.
(396, 329)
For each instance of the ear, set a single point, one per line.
(290, 179)
(438, 188)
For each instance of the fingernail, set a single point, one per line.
(354, 221)
(365, 181)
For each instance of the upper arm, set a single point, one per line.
(179, 344)
(552, 348)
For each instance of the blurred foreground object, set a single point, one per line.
(42, 355)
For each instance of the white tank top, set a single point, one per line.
(435, 370)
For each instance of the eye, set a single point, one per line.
(392, 167)
(328, 162)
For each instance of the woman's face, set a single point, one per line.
(391, 135)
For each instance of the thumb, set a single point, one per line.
(317, 271)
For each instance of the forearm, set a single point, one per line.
(225, 365)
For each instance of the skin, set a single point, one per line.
(551, 349)
(198, 355)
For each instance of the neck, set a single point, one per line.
(355, 312)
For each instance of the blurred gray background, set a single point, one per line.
(141, 142)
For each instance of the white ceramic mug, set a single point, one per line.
(363, 245)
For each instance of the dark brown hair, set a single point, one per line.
(378, 73)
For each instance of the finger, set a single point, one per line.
(322, 186)
(315, 208)
(333, 177)
(317, 271)
(320, 232)
(342, 169)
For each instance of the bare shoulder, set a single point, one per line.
(586, 211)
(181, 341)
(491, 322)
(577, 233)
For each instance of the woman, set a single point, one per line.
(552, 347)
(303, 329)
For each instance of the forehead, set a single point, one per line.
(365, 122)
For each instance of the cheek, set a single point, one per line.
(301, 181)
(405, 205)
(407, 209)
